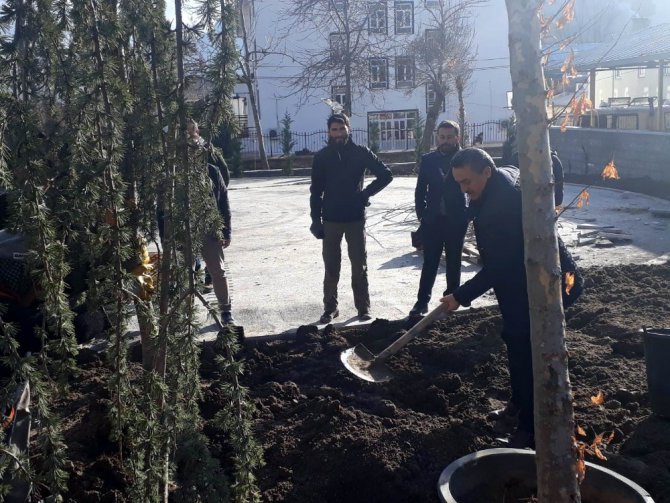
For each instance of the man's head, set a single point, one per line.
(338, 129)
(472, 168)
(448, 137)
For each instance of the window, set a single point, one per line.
(339, 94)
(404, 17)
(379, 73)
(377, 17)
(617, 73)
(396, 128)
(404, 71)
(666, 70)
(641, 73)
(431, 97)
(340, 5)
(337, 45)
(432, 3)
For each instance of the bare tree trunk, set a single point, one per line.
(460, 90)
(248, 77)
(431, 121)
(554, 420)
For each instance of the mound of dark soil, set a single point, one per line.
(331, 437)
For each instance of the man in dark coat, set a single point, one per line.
(213, 243)
(495, 207)
(440, 207)
(338, 201)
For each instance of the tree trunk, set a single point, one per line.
(460, 90)
(431, 121)
(554, 420)
(248, 77)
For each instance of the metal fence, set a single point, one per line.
(491, 132)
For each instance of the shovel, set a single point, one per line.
(360, 361)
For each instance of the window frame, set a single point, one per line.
(334, 94)
(403, 5)
(384, 64)
(641, 72)
(410, 64)
(378, 7)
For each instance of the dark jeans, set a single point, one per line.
(354, 233)
(439, 234)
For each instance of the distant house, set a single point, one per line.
(626, 80)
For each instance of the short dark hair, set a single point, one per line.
(450, 124)
(338, 118)
(476, 158)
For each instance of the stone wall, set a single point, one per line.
(636, 154)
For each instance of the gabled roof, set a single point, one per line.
(643, 48)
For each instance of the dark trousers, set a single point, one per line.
(513, 304)
(520, 361)
(439, 234)
(354, 233)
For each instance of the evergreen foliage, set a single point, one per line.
(92, 144)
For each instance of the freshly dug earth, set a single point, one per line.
(328, 436)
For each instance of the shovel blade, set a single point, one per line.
(365, 365)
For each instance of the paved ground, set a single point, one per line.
(276, 268)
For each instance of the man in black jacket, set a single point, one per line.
(338, 201)
(495, 207)
(440, 207)
(213, 243)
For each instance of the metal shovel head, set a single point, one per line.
(362, 363)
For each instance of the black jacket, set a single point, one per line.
(497, 219)
(437, 193)
(220, 193)
(336, 193)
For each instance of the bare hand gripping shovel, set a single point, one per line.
(360, 361)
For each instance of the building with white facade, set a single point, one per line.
(393, 99)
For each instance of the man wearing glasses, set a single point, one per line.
(440, 207)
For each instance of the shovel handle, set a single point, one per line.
(403, 340)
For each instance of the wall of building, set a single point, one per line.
(485, 99)
(635, 153)
(631, 83)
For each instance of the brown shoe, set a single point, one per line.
(510, 411)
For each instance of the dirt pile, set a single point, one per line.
(329, 436)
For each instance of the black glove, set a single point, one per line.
(317, 230)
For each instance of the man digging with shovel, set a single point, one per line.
(495, 208)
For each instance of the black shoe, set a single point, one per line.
(365, 316)
(510, 411)
(328, 316)
(227, 318)
(521, 439)
(419, 309)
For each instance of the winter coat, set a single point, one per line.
(336, 192)
(497, 220)
(437, 193)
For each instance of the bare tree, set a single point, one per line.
(247, 64)
(340, 38)
(554, 419)
(442, 55)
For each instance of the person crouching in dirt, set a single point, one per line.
(495, 208)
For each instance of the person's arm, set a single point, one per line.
(474, 287)
(557, 171)
(420, 192)
(222, 202)
(221, 164)
(316, 190)
(382, 173)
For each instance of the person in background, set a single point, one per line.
(440, 207)
(337, 208)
